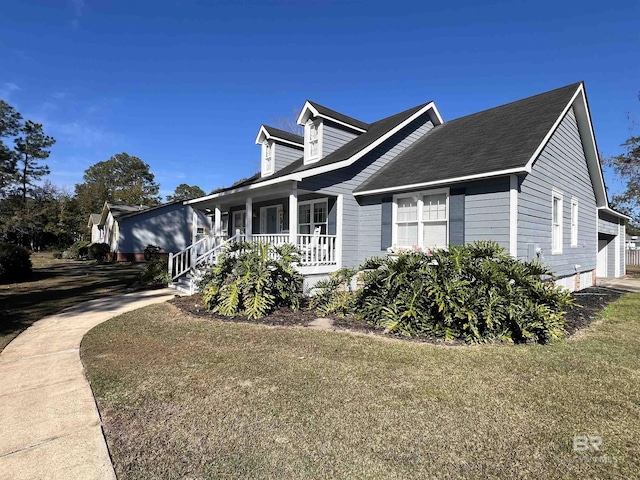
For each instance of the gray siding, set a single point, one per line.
(334, 137)
(607, 224)
(611, 258)
(611, 225)
(486, 211)
(560, 165)
(286, 154)
(362, 217)
(169, 228)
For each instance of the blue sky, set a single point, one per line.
(185, 84)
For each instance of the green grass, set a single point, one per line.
(182, 397)
(54, 286)
(633, 271)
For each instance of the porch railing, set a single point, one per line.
(315, 250)
(195, 254)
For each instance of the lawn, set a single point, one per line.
(186, 397)
(633, 271)
(55, 285)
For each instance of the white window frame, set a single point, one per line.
(263, 219)
(313, 225)
(421, 222)
(268, 169)
(243, 226)
(307, 141)
(556, 227)
(575, 213)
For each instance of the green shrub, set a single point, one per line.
(252, 279)
(151, 251)
(15, 263)
(98, 251)
(57, 254)
(477, 293)
(335, 295)
(155, 272)
(78, 251)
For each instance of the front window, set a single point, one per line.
(239, 222)
(422, 220)
(556, 223)
(312, 215)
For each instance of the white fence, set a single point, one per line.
(632, 256)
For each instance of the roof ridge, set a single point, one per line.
(346, 118)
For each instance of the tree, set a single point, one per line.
(123, 178)
(627, 167)
(10, 121)
(31, 147)
(185, 192)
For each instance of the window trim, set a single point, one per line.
(574, 221)
(312, 224)
(263, 166)
(420, 204)
(263, 219)
(307, 140)
(557, 249)
(234, 227)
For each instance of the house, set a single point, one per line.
(128, 229)
(94, 228)
(525, 175)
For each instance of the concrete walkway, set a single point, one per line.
(625, 284)
(49, 423)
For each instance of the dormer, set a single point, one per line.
(278, 149)
(326, 130)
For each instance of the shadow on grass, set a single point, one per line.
(56, 286)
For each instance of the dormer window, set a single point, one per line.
(267, 158)
(313, 141)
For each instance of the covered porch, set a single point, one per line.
(277, 214)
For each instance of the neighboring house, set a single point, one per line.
(97, 233)
(525, 175)
(128, 229)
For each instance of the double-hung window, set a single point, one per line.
(574, 222)
(313, 141)
(267, 161)
(556, 222)
(421, 220)
(312, 215)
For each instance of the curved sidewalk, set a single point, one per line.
(49, 423)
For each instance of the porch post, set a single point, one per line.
(339, 229)
(293, 215)
(217, 218)
(249, 220)
(194, 226)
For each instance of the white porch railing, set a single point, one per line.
(192, 256)
(316, 250)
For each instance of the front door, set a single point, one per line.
(601, 265)
(272, 220)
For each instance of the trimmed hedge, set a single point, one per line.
(15, 264)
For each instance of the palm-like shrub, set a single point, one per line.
(477, 293)
(252, 279)
(334, 295)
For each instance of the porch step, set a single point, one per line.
(182, 284)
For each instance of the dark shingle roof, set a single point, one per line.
(362, 141)
(322, 110)
(121, 209)
(283, 134)
(497, 139)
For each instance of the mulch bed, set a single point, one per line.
(589, 303)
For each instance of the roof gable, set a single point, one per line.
(312, 109)
(268, 133)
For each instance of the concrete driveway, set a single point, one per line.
(49, 423)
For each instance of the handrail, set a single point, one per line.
(184, 260)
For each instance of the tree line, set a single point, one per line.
(37, 214)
